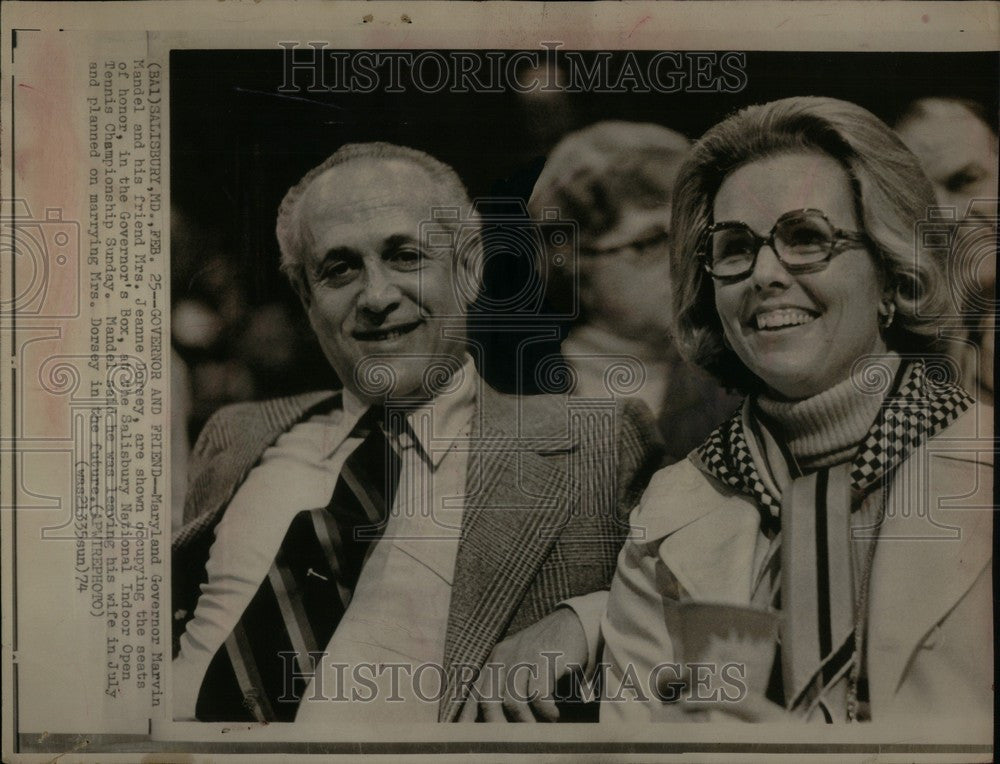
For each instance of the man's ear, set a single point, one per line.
(302, 289)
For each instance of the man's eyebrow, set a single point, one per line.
(396, 242)
(338, 253)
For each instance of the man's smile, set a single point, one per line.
(385, 333)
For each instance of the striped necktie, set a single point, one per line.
(263, 668)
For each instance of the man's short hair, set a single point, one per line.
(289, 229)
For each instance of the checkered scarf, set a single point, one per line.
(919, 408)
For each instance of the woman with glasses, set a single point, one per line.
(826, 554)
(851, 494)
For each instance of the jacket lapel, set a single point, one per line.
(712, 558)
(519, 492)
(927, 560)
(247, 437)
(710, 539)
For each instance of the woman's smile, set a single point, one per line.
(772, 319)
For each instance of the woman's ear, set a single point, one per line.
(887, 307)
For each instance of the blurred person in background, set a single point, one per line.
(955, 143)
(233, 338)
(614, 179)
(957, 147)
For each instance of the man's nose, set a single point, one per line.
(380, 293)
(768, 270)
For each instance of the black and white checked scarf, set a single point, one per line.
(916, 409)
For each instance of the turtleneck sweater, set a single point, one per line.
(827, 428)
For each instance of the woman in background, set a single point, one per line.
(614, 180)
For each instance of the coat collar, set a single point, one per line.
(519, 492)
(927, 557)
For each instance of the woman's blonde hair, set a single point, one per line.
(891, 194)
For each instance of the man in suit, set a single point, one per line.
(479, 511)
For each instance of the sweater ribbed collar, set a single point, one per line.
(827, 428)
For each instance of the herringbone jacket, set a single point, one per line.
(550, 482)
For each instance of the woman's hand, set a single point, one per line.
(519, 679)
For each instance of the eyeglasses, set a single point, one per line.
(640, 247)
(804, 241)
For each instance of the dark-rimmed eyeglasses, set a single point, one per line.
(804, 241)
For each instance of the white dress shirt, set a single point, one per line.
(399, 610)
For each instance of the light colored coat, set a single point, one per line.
(930, 635)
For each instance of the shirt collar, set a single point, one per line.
(436, 425)
(433, 426)
(354, 407)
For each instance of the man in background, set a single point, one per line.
(955, 143)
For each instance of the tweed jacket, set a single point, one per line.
(930, 644)
(550, 482)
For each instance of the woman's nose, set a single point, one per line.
(768, 270)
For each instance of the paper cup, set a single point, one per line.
(727, 650)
